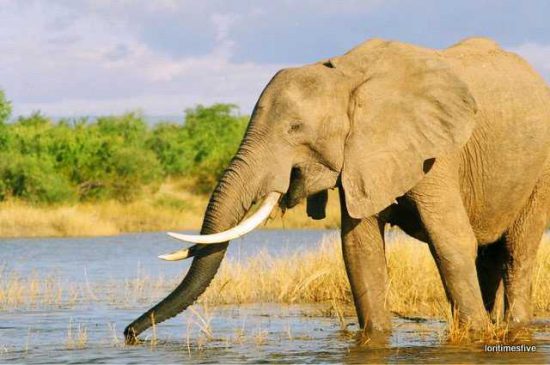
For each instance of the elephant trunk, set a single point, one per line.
(228, 204)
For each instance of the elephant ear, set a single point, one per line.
(408, 109)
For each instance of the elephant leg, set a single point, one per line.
(454, 247)
(364, 256)
(490, 272)
(522, 241)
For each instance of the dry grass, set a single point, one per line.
(168, 208)
(414, 284)
(315, 276)
(319, 276)
(20, 220)
(415, 288)
(38, 291)
(499, 332)
(35, 291)
(172, 207)
(77, 336)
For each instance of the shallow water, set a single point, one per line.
(234, 334)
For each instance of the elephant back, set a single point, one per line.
(502, 83)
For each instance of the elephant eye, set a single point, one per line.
(295, 126)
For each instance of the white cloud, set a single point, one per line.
(69, 57)
(66, 62)
(538, 55)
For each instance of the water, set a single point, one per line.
(118, 257)
(249, 333)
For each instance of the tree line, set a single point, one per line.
(113, 157)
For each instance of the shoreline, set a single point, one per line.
(168, 209)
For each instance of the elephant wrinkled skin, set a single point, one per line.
(450, 145)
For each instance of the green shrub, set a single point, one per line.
(5, 108)
(33, 179)
(169, 142)
(129, 128)
(5, 113)
(133, 169)
(113, 157)
(213, 135)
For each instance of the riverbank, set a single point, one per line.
(172, 207)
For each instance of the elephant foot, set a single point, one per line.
(370, 338)
(379, 324)
(465, 330)
(467, 326)
(478, 323)
(517, 320)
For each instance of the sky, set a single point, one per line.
(71, 57)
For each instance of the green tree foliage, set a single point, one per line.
(33, 179)
(5, 113)
(113, 157)
(5, 108)
(169, 142)
(202, 147)
(213, 135)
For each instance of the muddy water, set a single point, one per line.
(89, 329)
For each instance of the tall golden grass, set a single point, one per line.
(50, 291)
(35, 291)
(314, 276)
(319, 276)
(171, 207)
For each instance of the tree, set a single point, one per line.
(5, 108)
(213, 135)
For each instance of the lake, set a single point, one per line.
(99, 285)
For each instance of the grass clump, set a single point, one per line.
(77, 336)
(35, 291)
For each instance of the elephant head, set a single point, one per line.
(369, 121)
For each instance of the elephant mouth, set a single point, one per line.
(306, 181)
(296, 191)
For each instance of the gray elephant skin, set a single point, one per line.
(450, 145)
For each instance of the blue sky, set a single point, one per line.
(97, 57)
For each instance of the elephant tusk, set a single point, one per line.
(241, 229)
(180, 254)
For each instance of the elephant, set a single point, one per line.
(452, 146)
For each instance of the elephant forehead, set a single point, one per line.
(303, 81)
(292, 102)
